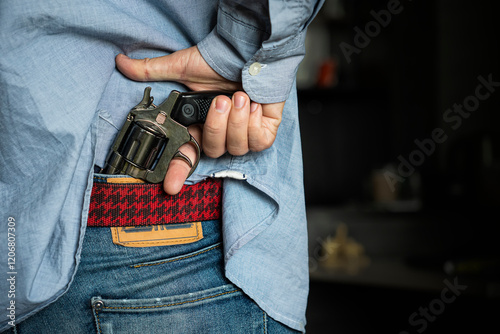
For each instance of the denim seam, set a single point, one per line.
(168, 305)
(98, 321)
(173, 260)
(265, 321)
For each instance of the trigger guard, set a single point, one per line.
(182, 156)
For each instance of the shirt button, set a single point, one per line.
(255, 68)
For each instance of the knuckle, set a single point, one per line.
(213, 149)
(237, 149)
(238, 123)
(212, 129)
(260, 144)
(213, 152)
(258, 147)
(147, 68)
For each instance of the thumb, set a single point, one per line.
(185, 66)
(165, 68)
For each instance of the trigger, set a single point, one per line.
(182, 156)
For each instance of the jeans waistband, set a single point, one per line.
(124, 201)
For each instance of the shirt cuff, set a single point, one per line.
(270, 74)
(238, 52)
(230, 44)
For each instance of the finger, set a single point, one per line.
(178, 170)
(272, 114)
(215, 127)
(263, 125)
(271, 120)
(256, 132)
(149, 69)
(237, 125)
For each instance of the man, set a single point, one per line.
(62, 104)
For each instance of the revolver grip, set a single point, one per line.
(192, 107)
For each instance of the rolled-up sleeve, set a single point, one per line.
(260, 44)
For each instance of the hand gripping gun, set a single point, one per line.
(152, 135)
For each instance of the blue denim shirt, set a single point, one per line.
(62, 102)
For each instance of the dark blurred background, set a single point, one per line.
(399, 105)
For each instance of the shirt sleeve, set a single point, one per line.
(260, 44)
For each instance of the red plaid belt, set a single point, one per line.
(140, 204)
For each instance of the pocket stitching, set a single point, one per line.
(168, 305)
(175, 259)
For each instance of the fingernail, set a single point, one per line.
(239, 101)
(253, 106)
(221, 105)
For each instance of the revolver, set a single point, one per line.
(152, 135)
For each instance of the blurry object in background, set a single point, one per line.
(391, 192)
(334, 10)
(320, 67)
(318, 49)
(383, 189)
(328, 73)
(484, 267)
(343, 253)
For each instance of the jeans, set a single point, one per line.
(166, 289)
